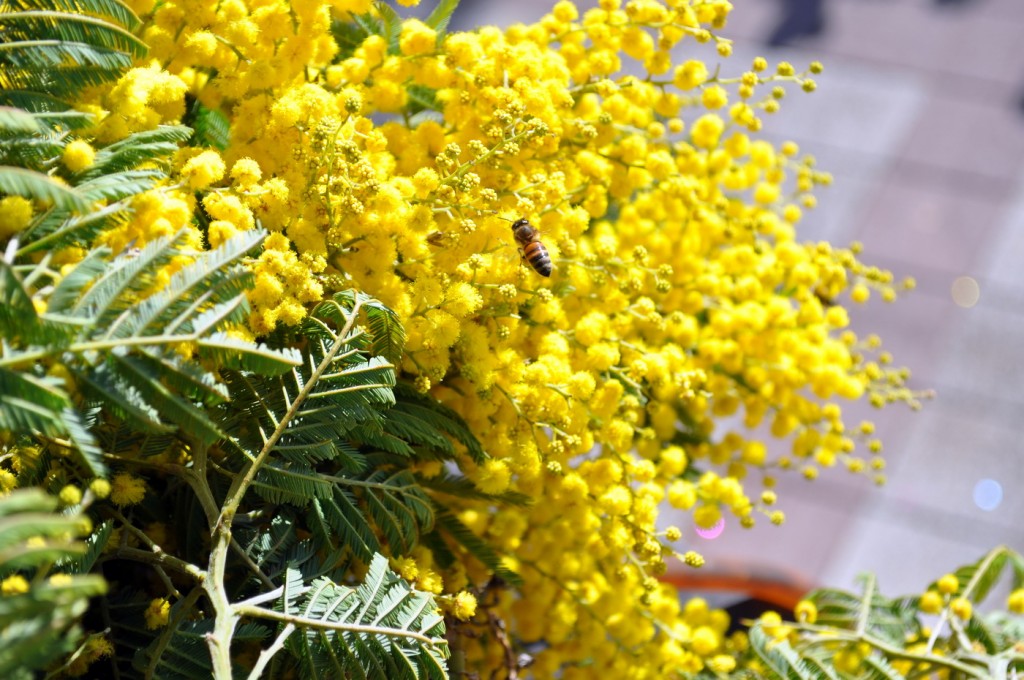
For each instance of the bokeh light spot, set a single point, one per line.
(965, 291)
(712, 532)
(988, 494)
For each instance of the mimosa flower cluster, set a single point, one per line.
(686, 348)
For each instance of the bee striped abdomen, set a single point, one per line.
(537, 255)
(528, 238)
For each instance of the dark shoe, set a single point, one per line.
(802, 19)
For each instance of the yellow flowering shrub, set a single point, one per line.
(686, 349)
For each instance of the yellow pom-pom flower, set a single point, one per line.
(930, 602)
(78, 155)
(1015, 602)
(15, 215)
(948, 584)
(157, 613)
(127, 489)
(416, 38)
(15, 584)
(70, 495)
(464, 606)
(961, 608)
(202, 170)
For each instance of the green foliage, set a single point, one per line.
(141, 378)
(38, 186)
(870, 613)
(210, 127)
(381, 629)
(872, 637)
(450, 526)
(420, 416)
(150, 146)
(114, 178)
(781, 661)
(56, 47)
(181, 653)
(344, 437)
(294, 414)
(441, 16)
(976, 580)
(40, 625)
(111, 10)
(51, 50)
(274, 471)
(312, 407)
(388, 25)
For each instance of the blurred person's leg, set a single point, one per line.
(800, 18)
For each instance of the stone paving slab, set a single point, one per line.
(1003, 257)
(968, 137)
(986, 357)
(922, 226)
(1011, 11)
(952, 449)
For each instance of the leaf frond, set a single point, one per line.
(394, 632)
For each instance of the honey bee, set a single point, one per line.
(528, 238)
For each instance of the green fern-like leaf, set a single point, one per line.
(422, 104)
(29, 403)
(50, 112)
(58, 66)
(387, 335)
(460, 487)
(320, 403)
(407, 422)
(381, 630)
(431, 414)
(891, 620)
(112, 10)
(94, 545)
(16, 121)
(39, 187)
(349, 509)
(398, 506)
(348, 35)
(70, 27)
(290, 483)
(441, 16)
(390, 23)
(210, 127)
(875, 667)
(142, 147)
(183, 653)
(277, 550)
(58, 228)
(976, 580)
(782, 662)
(31, 151)
(39, 625)
(140, 377)
(448, 525)
(118, 186)
(339, 522)
(981, 633)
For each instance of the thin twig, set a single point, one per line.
(259, 612)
